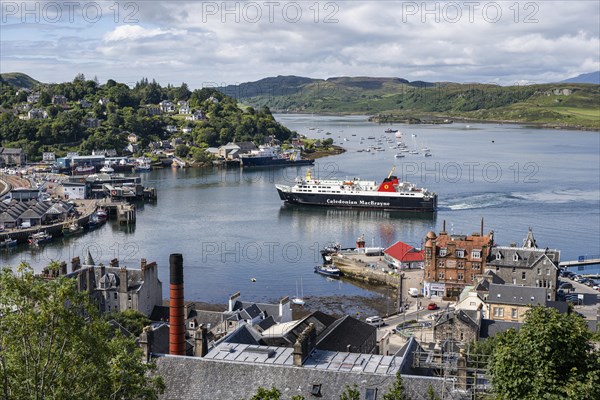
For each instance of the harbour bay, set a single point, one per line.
(231, 226)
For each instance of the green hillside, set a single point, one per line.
(18, 80)
(394, 99)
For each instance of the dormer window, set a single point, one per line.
(498, 256)
(476, 254)
(443, 252)
(460, 253)
(515, 257)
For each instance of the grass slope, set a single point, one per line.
(557, 104)
(19, 80)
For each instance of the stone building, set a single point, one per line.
(116, 288)
(527, 265)
(453, 261)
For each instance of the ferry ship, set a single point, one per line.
(391, 194)
(267, 156)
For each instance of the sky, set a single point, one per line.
(216, 43)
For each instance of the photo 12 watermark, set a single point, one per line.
(61, 12)
(253, 12)
(453, 12)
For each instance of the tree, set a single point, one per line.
(396, 392)
(182, 150)
(550, 357)
(351, 393)
(53, 345)
(132, 320)
(266, 394)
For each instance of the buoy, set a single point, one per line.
(253, 279)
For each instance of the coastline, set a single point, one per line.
(531, 124)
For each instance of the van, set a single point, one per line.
(375, 321)
(413, 291)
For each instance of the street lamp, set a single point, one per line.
(400, 305)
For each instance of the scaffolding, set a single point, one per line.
(464, 372)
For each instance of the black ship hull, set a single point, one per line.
(253, 162)
(361, 201)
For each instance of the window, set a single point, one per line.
(115, 295)
(370, 394)
(460, 276)
(472, 277)
(443, 252)
(523, 275)
(539, 271)
(441, 275)
(476, 254)
(316, 390)
(514, 269)
(498, 312)
(547, 271)
(514, 313)
(441, 264)
(515, 257)
(476, 266)
(514, 281)
(460, 253)
(498, 256)
(461, 265)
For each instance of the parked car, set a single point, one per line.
(375, 321)
(432, 306)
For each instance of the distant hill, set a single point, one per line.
(592, 77)
(19, 80)
(395, 99)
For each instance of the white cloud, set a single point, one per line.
(191, 42)
(137, 32)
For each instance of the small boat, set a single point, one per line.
(8, 242)
(329, 270)
(391, 130)
(398, 134)
(143, 168)
(107, 170)
(414, 135)
(38, 238)
(298, 299)
(427, 154)
(72, 229)
(102, 215)
(399, 155)
(84, 170)
(94, 222)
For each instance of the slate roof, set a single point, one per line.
(468, 317)
(237, 371)
(343, 332)
(491, 328)
(160, 313)
(526, 257)
(517, 295)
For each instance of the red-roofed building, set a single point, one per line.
(401, 255)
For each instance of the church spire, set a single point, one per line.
(529, 241)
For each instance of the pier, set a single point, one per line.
(123, 211)
(582, 260)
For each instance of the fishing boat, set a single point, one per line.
(102, 214)
(72, 229)
(107, 169)
(398, 155)
(391, 194)
(84, 170)
(39, 238)
(328, 270)
(94, 222)
(391, 130)
(8, 242)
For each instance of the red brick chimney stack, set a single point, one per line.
(176, 307)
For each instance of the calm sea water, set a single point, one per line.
(231, 226)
